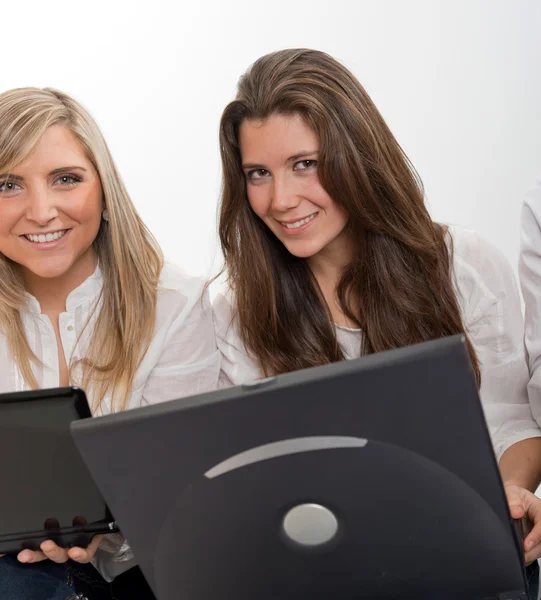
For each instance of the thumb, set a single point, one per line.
(515, 500)
(85, 555)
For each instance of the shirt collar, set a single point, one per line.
(85, 292)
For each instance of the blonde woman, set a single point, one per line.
(85, 297)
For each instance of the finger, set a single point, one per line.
(517, 511)
(29, 556)
(515, 500)
(85, 555)
(54, 552)
(533, 554)
(533, 513)
(534, 536)
(51, 523)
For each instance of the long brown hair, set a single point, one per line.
(398, 288)
(130, 259)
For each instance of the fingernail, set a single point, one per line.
(530, 545)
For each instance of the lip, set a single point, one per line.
(300, 229)
(46, 245)
(46, 232)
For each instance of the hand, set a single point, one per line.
(522, 503)
(49, 550)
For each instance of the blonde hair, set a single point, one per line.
(129, 257)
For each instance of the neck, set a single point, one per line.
(328, 267)
(329, 264)
(52, 293)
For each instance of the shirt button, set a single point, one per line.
(70, 327)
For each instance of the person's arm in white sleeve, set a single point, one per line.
(495, 326)
(530, 281)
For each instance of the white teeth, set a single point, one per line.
(299, 223)
(45, 237)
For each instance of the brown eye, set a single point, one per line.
(303, 165)
(257, 173)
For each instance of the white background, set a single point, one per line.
(458, 81)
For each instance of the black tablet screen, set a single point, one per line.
(44, 483)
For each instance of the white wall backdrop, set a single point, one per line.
(458, 81)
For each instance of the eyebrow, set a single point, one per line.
(64, 169)
(5, 176)
(301, 154)
(11, 177)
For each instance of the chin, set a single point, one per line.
(49, 269)
(302, 250)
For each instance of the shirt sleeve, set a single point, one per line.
(530, 280)
(491, 308)
(189, 360)
(237, 365)
(113, 556)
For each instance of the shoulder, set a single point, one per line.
(179, 292)
(469, 246)
(482, 274)
(238, 363)
(175, 279)
(533, 200)
(223, 311)
(531, 216)
(472, 254)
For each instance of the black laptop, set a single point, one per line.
(373, 478)
(46, 491)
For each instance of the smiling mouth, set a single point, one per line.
(42, 238)
(299, 223)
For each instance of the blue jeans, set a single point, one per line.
(47, 580)
(50, 581)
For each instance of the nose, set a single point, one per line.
(284, 194)
(41, 207)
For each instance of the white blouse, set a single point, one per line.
(182, 359)
(491, 312)
(530, 281)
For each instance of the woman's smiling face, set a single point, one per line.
(279, 160)
(50, 207)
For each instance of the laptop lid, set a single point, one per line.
(369, 478)
(46, 489)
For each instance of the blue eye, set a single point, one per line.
(8, 186)
(68, 180)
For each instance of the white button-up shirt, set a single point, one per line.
(491, 312)
(530, 280)
(182, 358)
